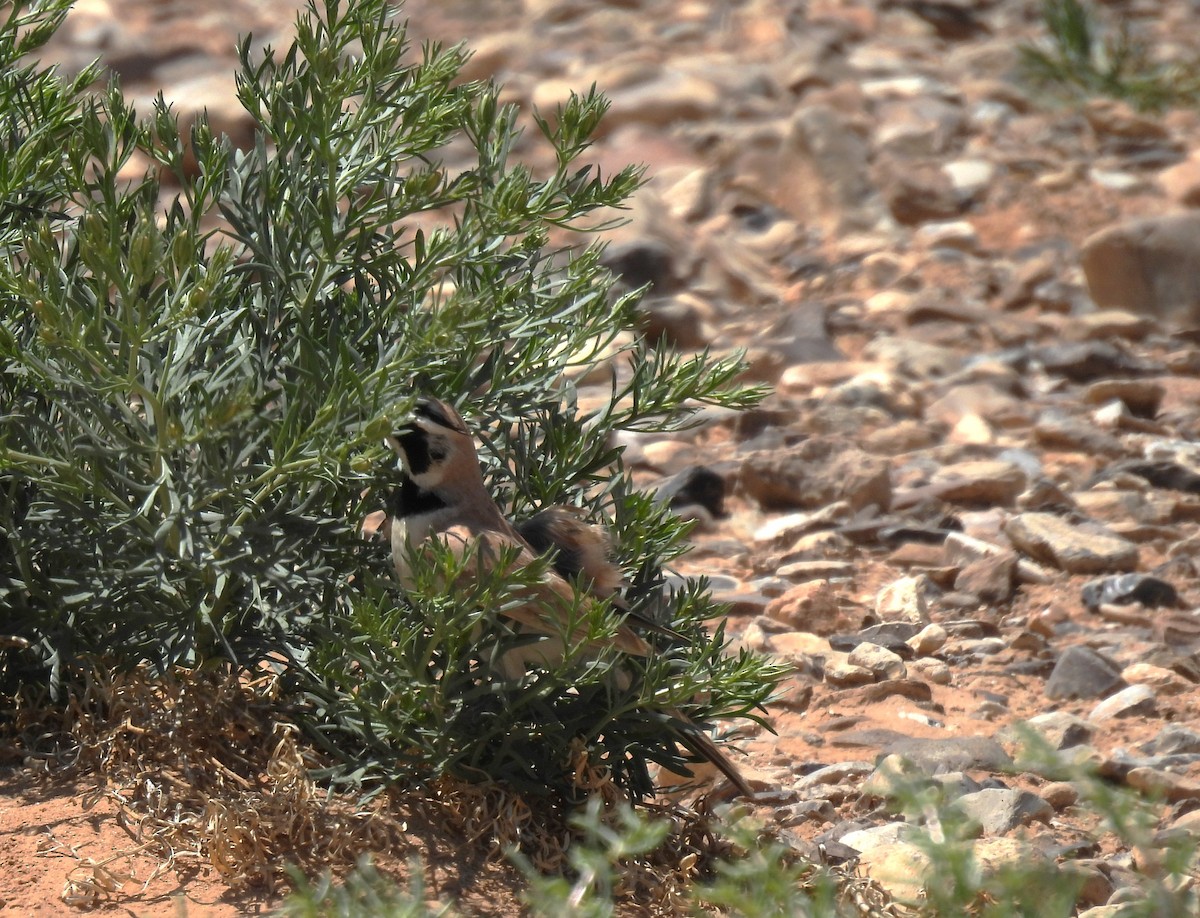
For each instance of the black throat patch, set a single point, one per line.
(417, 454)
(411, 500)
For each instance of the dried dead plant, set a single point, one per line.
(205, 771)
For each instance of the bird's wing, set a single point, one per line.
(580, 552)
(549, 600)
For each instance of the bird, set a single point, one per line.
(442, 497)
(578, 549)
(581, 552)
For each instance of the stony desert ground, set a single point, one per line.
(973, 496)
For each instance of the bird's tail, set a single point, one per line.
(698, 742)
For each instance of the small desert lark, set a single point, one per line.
(443, 497)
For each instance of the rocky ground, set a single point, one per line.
(973, 497)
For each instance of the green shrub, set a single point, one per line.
(1081, 58)
(194, 396)
(364, 893)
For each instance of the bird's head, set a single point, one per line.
(435, 447)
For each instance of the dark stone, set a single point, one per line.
(1090, 360)
(697, 485)
(1173, 739)
(644, 263)
(1126, 588)
(1081, 672)
(991, 577)
(1167, 475)
(890, 635)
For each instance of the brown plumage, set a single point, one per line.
(443, 497)
(582, 553)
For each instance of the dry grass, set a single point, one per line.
(204, 770)
(207, 772)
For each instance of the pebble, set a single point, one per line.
(883, 663)
(903, 600)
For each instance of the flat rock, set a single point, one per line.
(816, 472)
(1061, 729)
(964, 753)
(1134, 700)
(1077, 548)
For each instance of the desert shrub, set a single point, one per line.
(1083, 56)
(202, 347)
